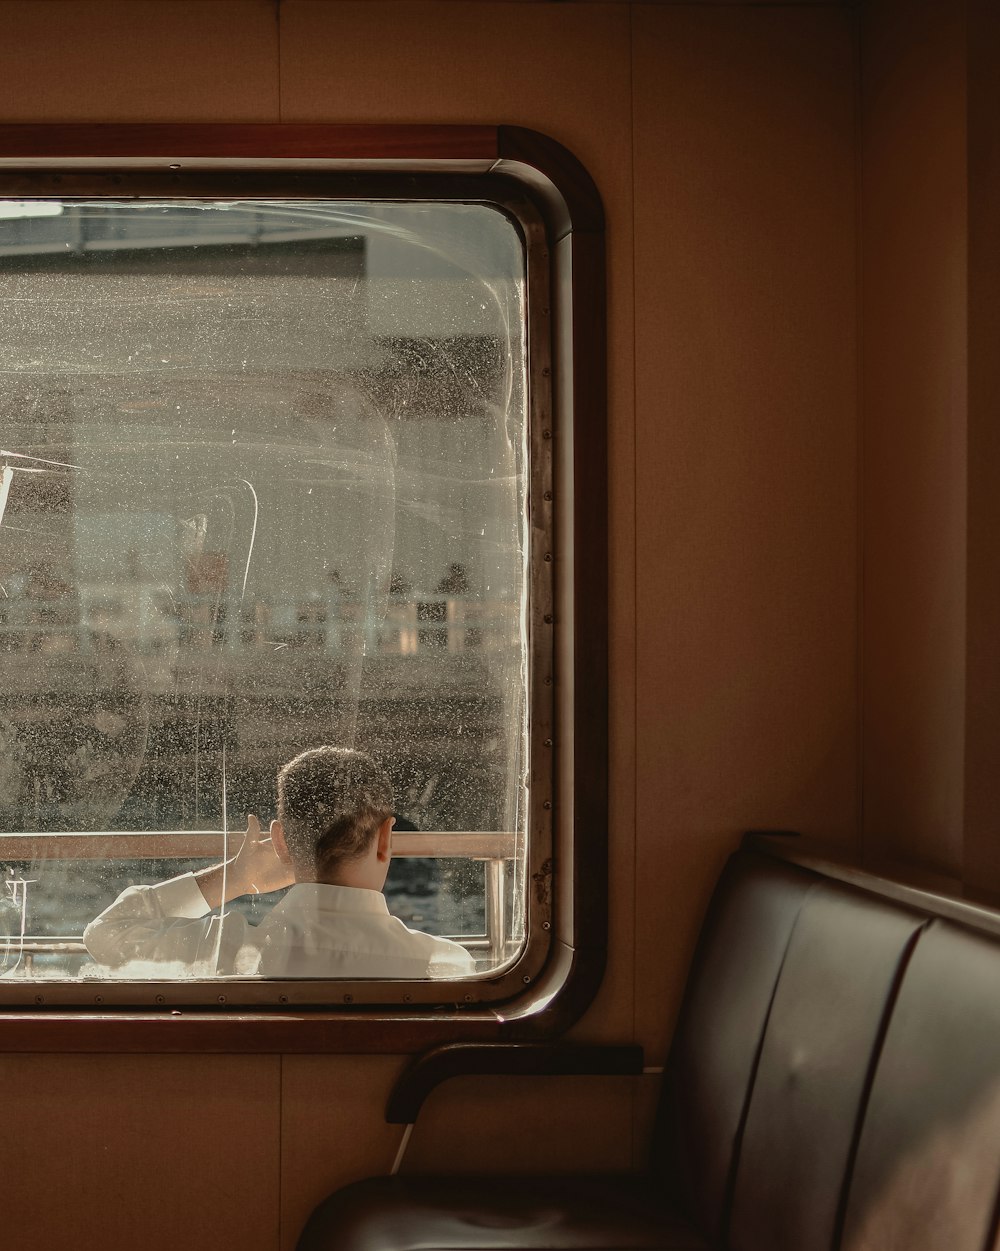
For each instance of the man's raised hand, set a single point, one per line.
(256, 866)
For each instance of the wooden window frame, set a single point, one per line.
(558, 973)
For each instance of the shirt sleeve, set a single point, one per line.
(450, 959)
(167, 923)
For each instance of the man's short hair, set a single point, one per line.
(331, 801)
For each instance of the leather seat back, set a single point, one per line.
(844, 958)
(926, 1176)
(832, 1041)
(718, 1037)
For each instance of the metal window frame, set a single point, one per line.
(557, 208)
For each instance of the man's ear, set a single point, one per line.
(383, 839)
(278, 842)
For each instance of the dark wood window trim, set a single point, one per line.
(567, 876)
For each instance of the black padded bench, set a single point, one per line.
(834, 1082)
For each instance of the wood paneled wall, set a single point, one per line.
(913, 301)
(982, 725)
(722, 139)
(930, 317)
(746, 452)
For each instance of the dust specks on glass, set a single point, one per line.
(262, 487)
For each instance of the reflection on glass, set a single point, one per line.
(262, 477)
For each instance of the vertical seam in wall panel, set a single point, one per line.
(963, 866)
(277, 20)
(635, 586)
(859, 359)
(840, 1215)
(281, 1146)
(635, 539)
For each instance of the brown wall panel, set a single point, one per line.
(913, 213)
(332, 1129)
(101, 60)
(645, 1104)
(112, 1153)
(982, 777)
(532, 1125)
(746, 477)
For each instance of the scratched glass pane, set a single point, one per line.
(262, 488)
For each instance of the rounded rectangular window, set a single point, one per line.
(263, 487)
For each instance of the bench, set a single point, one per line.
(833, 1083)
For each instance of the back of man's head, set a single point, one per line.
(331, 802)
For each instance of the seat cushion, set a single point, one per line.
(522, 1213)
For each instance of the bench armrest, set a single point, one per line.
(507, 1059)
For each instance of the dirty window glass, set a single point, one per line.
(262, 488)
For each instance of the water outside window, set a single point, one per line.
(262, 487)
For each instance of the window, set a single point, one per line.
(276, 470)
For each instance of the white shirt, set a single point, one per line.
(316, 930)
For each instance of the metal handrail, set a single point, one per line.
(207, 845)
(495, 848)
(61, 944)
